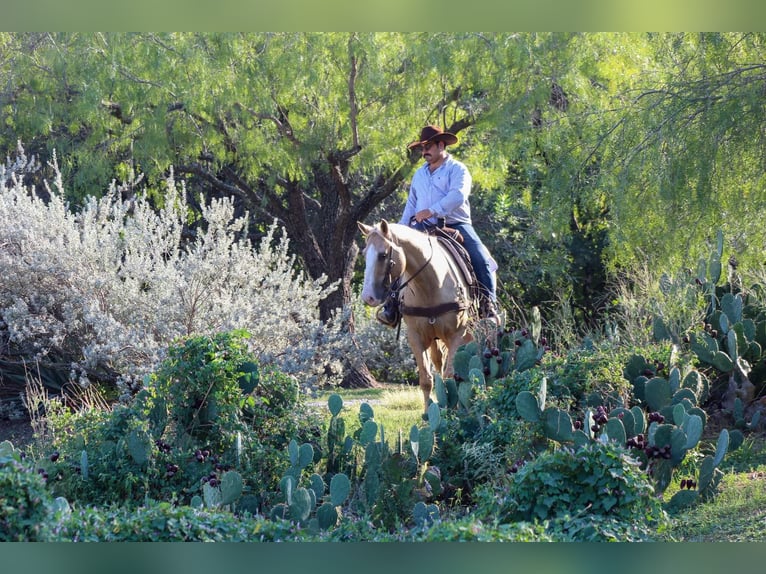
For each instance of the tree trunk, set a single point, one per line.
(358, 377)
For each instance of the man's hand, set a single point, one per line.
(423, 214)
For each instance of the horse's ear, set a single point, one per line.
(365, 229)
(384, 227)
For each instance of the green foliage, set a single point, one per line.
(193, 431)
(25, 503)
(599, 479)
(203, 377)
(166, 522)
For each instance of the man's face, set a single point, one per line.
(431, 152)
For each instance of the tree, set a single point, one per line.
(310, 129)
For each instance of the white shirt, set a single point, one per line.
(444, 191)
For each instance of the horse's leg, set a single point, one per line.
(437, 356)
(453, 344)
(423, 360)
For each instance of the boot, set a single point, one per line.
(489, 311)
(388, 313)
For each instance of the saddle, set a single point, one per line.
(452, 241)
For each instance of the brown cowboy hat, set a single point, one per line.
(434, 133)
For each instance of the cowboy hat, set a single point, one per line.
(434, 133)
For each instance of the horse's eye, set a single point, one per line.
(383, 256)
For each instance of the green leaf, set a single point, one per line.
(434, 416)
(693, 428)
(369, 432)
(557, 424)
(615, 430)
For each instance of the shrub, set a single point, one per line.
(24, 499)
(597, 479)
(101, 294)
(208, 409)
(164, 522)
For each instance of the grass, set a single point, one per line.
(396, 407)
(738, 512)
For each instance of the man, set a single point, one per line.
(440, 190)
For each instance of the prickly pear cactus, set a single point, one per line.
(231, 487)
(528, 407)
(139, 446)
(425, 514)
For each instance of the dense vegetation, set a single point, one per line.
(178, 239)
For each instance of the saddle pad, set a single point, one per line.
(462, 259)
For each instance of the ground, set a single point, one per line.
(18, 431)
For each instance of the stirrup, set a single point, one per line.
(488, 310)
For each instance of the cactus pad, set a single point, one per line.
(527, 407)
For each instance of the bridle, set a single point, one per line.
(394, 286)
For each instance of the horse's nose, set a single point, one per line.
(370, 299)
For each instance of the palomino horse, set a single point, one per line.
(435, 298)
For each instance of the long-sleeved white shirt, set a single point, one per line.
(444, 191)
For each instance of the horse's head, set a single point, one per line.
(384, 262)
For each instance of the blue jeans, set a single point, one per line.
(480, 258)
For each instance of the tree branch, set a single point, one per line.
(352, 74)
